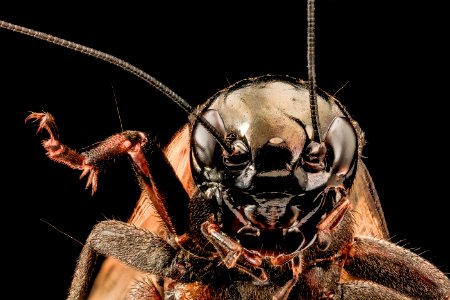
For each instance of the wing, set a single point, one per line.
(366, 207)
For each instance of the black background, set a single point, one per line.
(389, 58)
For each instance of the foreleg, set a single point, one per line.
(135, 247)
(127, 142)
(397, 268)
(358, 290)
(165, 190)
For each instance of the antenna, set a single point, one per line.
(312, 71)
(125, 66)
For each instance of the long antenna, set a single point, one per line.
(125, 66)
(311, 39)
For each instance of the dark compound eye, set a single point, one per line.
(240, 156)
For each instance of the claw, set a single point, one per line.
(46, 121)
(85, 171)
(92, 178)
(59, 152)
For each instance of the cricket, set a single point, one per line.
(262, 193)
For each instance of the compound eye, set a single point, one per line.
(203, 142)
(239, 158)
(313, 159)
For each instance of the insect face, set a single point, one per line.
(278, 183)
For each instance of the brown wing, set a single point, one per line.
(366, 207)
(115, 279)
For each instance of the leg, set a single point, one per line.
(368, 290)
(127, 142)
(397, 268)
(135, 247)
(143, 290)
(166, 191)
